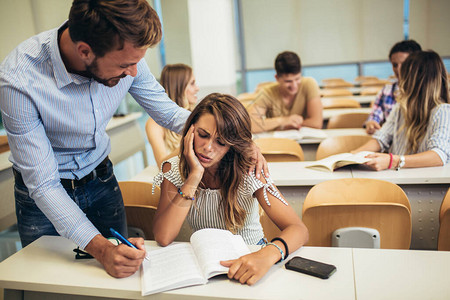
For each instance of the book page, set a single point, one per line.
(213, 245)
(339, 160)
(169, 268)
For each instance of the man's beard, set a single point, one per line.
(92, 70)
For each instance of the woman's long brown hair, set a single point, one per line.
(423, 86)
(234, 129)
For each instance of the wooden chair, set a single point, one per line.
(270, 229)
(335, 92)
(246, 98)
(374, 82)
(340, 144)
(369, 91)
(358, 202)
(337, 84)
(140, 207)
(261, 85)
(332, 80)
(444, 224)
(365, 78)
(4, 146)
(280, 149)
(328, 103)
(349, 120)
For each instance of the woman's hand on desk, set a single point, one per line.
(252, 267)
(379, 161)
(119, 261)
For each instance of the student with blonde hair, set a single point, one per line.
(417, 132)
(208, 185)
(179, 82)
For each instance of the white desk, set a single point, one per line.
(400, 274)
(47, 269)
(126, 139)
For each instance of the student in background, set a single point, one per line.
(208, 184)
(290, 103)
(386, 97)
(179, 82)
(417, 131)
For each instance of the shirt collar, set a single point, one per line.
(62, 76)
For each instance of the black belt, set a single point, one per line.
(100, 170)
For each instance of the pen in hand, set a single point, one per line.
(125, 241)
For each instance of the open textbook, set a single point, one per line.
(184, 264)
(295, 134)
(336, 161)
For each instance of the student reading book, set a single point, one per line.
(183, 264)
(336, 161)
(209, 186)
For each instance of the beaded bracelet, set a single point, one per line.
(185, 196)
(278, 247)
(284, 243)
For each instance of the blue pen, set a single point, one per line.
(124, 240)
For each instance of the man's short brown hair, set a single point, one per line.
(105, 24)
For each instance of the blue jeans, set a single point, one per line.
(100, 199)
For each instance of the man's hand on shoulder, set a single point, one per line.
(119, 261)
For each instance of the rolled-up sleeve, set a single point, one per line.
(34, 158)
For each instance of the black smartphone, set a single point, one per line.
(310, 267)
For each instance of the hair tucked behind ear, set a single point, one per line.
(423, 86)
(234, 129)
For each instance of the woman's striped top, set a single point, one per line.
(207, 210)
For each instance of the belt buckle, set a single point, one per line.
(72, 182)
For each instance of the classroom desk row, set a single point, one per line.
(425, 188)
(47, 269)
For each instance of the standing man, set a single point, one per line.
(290, 103)
(58, 91)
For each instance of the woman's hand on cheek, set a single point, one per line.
(189, 153)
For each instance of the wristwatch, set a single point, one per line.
(401, 162)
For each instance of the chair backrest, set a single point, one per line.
(375, 82)
(246, 98)
(280, 149)
(262, 85)
(337, 84)
(365, 78)
(370, 91)
(140, 205)
(328, 103)
(340, 144)
(444, 224)
(335, 92)
(358, 202)
(349, 120)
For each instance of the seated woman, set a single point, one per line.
(209, 185)
(179, 82)
(417, 131)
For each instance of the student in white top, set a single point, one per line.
(209, 186)
(179, 82)
(417, 132)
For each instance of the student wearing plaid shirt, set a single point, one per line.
(385, 100)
